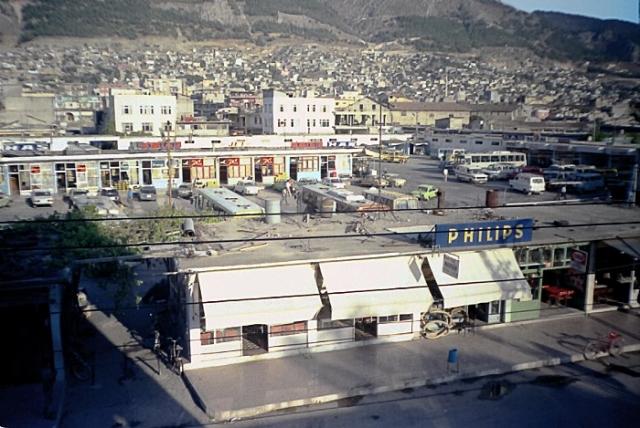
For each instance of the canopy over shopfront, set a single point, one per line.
(376, 287)
(473, 277)
(271, 295)
(630, 246)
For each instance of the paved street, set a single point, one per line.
(253, 388)
(589, 394)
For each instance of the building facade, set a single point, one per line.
(284, 114)
(143, 114)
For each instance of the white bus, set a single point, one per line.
(484, 160)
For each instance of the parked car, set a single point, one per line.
(528, 183)
(470, 175)
(147, 193)
(333, 182)
(372, 181)
(247, 187)
(5, 200)
(185, 191)
(395, 180)
(111, 193)
(425, 192)
(40, 198)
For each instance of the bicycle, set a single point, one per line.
(175, 357)
(611, 344)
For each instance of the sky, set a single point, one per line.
(619, 9)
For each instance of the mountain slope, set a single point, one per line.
(444, 25)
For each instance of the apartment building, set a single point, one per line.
(285, 113)
(143, 114)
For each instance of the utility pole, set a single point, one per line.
(170, 163)
(380, 154)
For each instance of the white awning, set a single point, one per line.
(482, 277)
(271, 295)
(375, 287)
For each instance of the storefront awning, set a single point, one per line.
(630, 246)
(472, 277)
(272, 295)
(375, 287)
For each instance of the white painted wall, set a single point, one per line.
(158, 118)
(283, 114)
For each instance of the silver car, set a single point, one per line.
(42, 198)
(147, 193)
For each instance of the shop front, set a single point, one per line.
(201, 169)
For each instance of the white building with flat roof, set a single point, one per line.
(145, 114)
(284, 113)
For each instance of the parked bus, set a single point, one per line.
(484, 160)
(392, 200)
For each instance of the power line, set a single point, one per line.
(288, 238)
(253, 215)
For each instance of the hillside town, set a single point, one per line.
(268, 234)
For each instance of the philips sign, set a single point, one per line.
(483, 233)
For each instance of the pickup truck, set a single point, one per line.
(471, 175)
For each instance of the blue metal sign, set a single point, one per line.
(484, 233)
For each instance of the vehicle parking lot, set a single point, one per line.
(420, 170)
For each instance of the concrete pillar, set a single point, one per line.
(633, 294)
(312, 333)
(590, 280)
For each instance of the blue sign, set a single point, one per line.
(484, 233)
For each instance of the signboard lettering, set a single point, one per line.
(156, 145)
(230, 162)
(193, 163)
(484, 233)
(313, 144)
(266, 161)
(81, 167)
(35, 169)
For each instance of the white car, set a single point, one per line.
(334, 182)
(247, 187)
(41, 198)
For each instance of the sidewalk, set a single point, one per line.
(248, 390)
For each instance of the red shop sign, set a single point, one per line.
(35, 169)
(192, 163)
(266, 161)
(81, 168)
(230, 162)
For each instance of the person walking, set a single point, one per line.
(445, 173)
(563, 192)
(288, 187)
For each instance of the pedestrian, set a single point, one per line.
(445, 173)
(563, 192)
(284, 195)
(288, 187)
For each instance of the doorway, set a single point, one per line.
(186, 174)
(366, 328)
(224, 174)
(61, 180)
(14, 185)
(293, 168)
(255, 339)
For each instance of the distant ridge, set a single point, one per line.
(441, 25)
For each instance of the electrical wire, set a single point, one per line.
(287, 238)
(253, 215)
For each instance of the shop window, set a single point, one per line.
(230, 334)
(331, 324)
(289, 329)
(147, 127)
(406, 317)
(388, 319)
(560, 256)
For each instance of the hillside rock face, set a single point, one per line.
(443, 25)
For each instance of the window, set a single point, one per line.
(495, 143)
(281, 109)
(361, 107)
(308, 108)
(147, 127)
(479, 142)
(230, 334)
(463, 141)
(126, 109)
(313, 108)
(324, 109)
(292, 123)
(127, 127)
(314, 123)
(288, 329)
(308, 163)
(295, 108)
(388, 319)
(406, 317)
(331, 324)
(165, 110)
(324, 123)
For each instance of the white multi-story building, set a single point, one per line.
(146, 114)
(287, 114)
